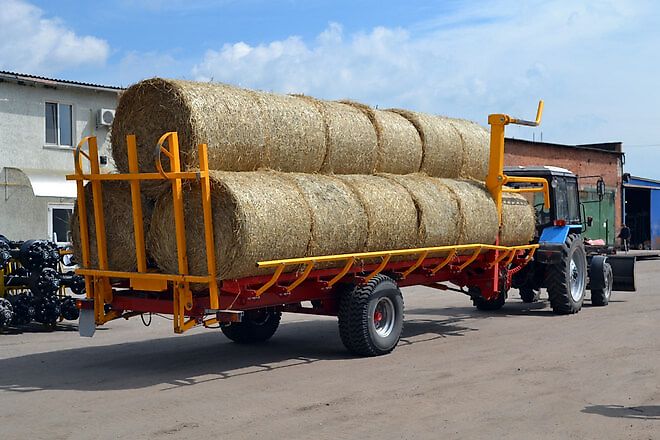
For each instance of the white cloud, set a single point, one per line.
(31, 43)
(595, 63)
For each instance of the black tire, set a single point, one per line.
(601, 297)
(257, 326)
(371, 317)
(566, 281)
(484, 304)
(529, 295)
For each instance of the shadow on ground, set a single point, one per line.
(193, 359)
(643, 412)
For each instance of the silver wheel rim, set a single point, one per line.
(576, 273)
(608, 284)
(383, 317)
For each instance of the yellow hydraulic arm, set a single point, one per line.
(496, 178)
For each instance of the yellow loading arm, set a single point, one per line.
(496, 178)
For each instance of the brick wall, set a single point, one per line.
(583, 162)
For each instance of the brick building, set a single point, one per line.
(601, 160)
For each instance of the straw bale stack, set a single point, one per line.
(267, 215)
(120, 237)
(244, 130)
(247, 130)
(518, 220)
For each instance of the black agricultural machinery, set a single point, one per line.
(33, 284)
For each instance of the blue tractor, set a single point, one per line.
(564, 264)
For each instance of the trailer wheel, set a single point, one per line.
(257, 326)
(529, 295)
(601, 296)
(483, 304)
(371, 317)
(566, 281)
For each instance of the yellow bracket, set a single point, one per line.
(302, 277)
(471, 259)
(445, 262)
(418, 263)
(273, 280)
(349, 263)
(379, 269)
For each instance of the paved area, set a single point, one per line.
(520, 373)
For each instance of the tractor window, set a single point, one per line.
(561, 201)
(572, 199)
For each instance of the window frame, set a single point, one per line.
(51, 207)
(57, 128)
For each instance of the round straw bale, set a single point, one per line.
(118, 215)
(339, 222)
(443, 151)
(437, 209)
(295, 133)
(351, 140)
(518, 220)
(257, 216)
(478, 214)
(476, 147)
(399, 144)
(391, 212)
(226, 118)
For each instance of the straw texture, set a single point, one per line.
(518, 220)
(120, 236)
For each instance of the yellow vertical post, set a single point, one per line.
(182, 289)
(177, 198)
(495, 178)
(138, 226)
(82, 217)
(102, 289)
(208, 225)
(97, 195)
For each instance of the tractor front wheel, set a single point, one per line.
(566, 281)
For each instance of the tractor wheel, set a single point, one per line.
(483, 304)
(529, 295)
(601, 297)
(257, 326)
(371, 317)
(566, 281)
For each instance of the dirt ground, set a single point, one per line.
(520, 373)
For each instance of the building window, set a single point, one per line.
(59, 222)
(59, 124)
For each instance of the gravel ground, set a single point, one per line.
(519, 373)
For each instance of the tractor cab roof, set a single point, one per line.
(538, 171)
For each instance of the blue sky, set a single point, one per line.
(596, 63)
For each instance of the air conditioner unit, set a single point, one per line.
(105, 117)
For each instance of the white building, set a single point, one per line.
(41, 121)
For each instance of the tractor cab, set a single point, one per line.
(564, 197)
